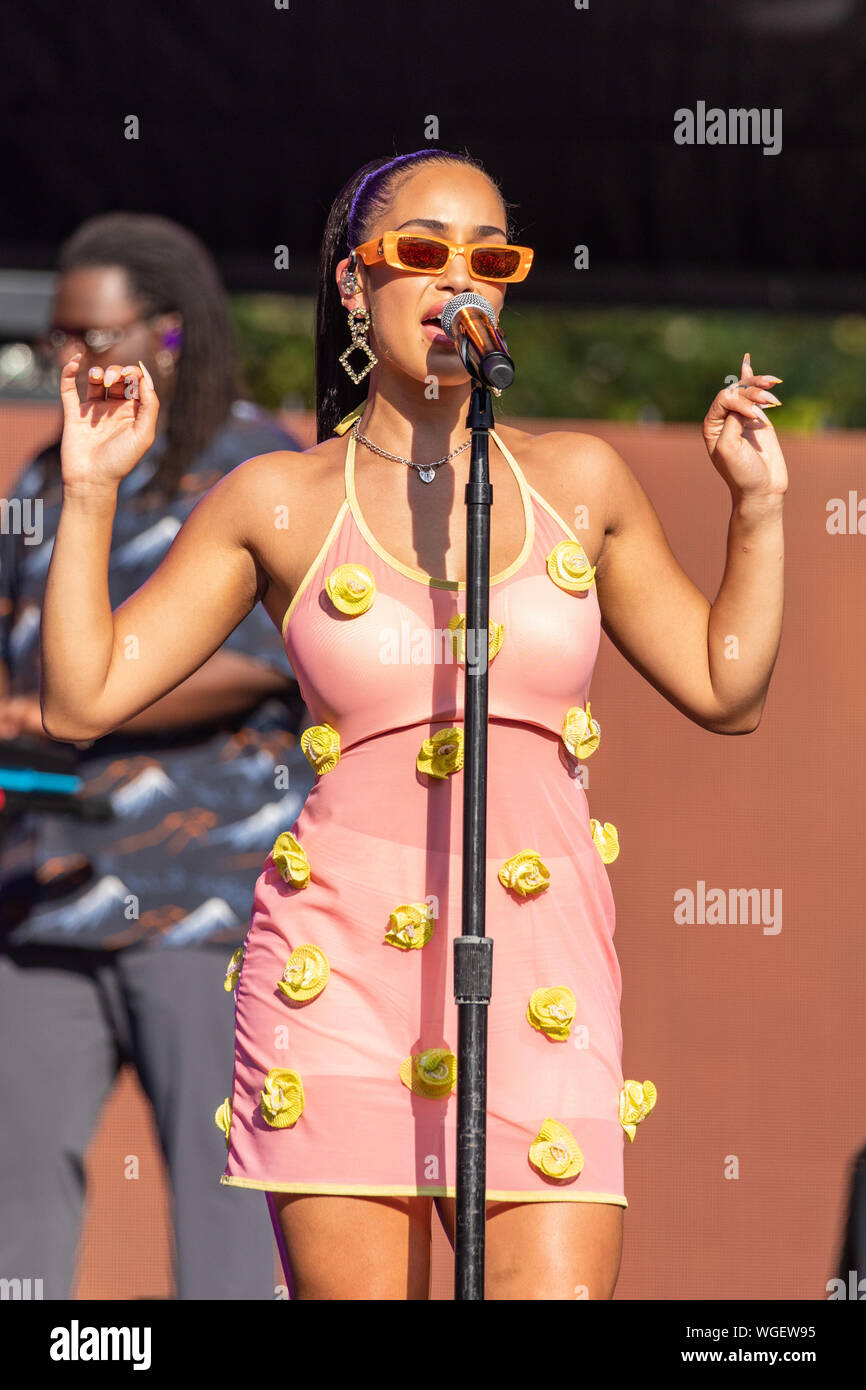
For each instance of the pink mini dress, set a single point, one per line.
(345, 1020)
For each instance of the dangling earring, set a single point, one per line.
(359, 322)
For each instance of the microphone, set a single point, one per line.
(470, 320)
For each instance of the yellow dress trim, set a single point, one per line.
(282, 1097)
(525, 873)
(605, 838)
(416, 1190)
(306, 974)
(351, 588)
(555, 1152)
(551, 512)
(348, 420)
(223, 1119)
(581, 734)
(457, 627)
(410, 926)
(291, 860)
(320, 745)
(442, 754)
(233, 970)
(635, 1103)
(569, 568)
(322, 552)
(418, 575)
(552, 1011)
(432, 1073)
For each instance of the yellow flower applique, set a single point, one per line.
(569, 567)
(581, 734)
(306, 974)
(496, 633)
(233, 970)
(291, 860)
(635, 1103)
(282, 1097)
(442, 754)
(321, 747)
(525, 873)
(432, 1073)
(555, 1152)
(223, 1119)
(351, 588)
(552, 1011)
(410, 926)
(606, 839)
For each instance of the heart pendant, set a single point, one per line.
(426, 474)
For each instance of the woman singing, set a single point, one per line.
(342, 1106)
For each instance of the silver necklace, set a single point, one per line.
(426, 472)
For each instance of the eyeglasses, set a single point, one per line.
(427, 255)
(98, 340)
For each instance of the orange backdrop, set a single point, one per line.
(737, 1182)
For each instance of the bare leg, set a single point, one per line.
(356, 1247)
(547, 1250)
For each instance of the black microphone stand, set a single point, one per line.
(491, 369)
(473, 951)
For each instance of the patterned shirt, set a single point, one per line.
(194, 811)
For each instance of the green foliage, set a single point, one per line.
(608, 364)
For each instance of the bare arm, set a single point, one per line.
(712, 661)
(101, 669)
(667, 628)
(228, 684)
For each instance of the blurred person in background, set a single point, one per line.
(116, 935)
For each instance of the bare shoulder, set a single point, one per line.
(278, 507)
(576, 473)
(249, 492)
(565, 451)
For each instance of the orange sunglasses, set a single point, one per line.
(428, 255)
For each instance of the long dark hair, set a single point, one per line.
(360, 201)
(170, 271)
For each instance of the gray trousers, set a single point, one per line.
(68, 1019)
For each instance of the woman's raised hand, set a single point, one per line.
(105, 436)
(740, 438)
